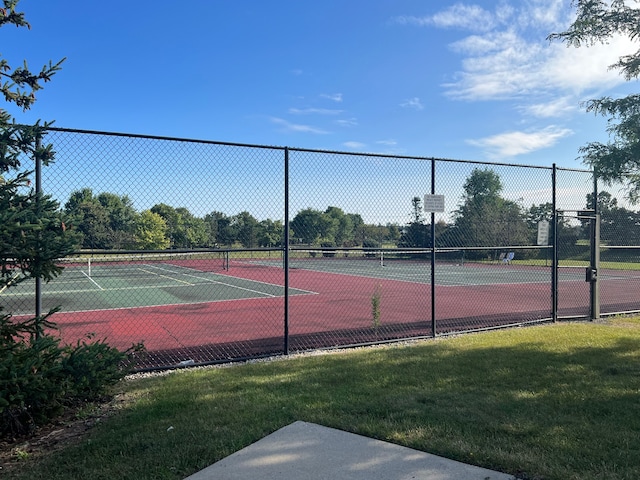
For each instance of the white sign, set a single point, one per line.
(543, 232)
(434, 203)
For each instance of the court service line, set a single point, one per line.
(152, 287)
(237, 287)
(439, 279)
(146, 287)
(209, 280)
(165, 276)
(8, 284)
(92, 281)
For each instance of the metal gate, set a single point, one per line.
(575, 265)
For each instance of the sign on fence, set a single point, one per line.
(434, 203)
(543, 232)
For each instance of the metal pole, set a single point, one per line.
(286, 251)
(433, 252)
(38, 172)
(554, 256)
(594, 286)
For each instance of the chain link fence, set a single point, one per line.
(182, 245)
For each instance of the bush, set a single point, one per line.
(93, 367)
(39, 377)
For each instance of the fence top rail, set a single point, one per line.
(105, 252)
(309, 150)
(437, 159)
(160, 137)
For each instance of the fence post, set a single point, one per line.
(594, 287)
(286, 250)
(433, 252)
(38, 187)
(554, 254)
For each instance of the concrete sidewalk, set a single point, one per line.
(313, 452)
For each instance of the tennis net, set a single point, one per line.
(132, 264)
(299, 258)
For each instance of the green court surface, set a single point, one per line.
(120, 283)
(450, 273)
(112, 286)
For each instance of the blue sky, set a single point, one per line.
(470, 80)
(438, 78)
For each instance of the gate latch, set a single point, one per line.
(591, 274)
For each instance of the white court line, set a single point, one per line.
(85, 290)
(182, 267)
(164, 276)
(203, 281)
(208, 280)
(88, 290)
(92, 281)
(400, 278)
(8, 284)
(410, 278)
(299, 292)
(147, 287)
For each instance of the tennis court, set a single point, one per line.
(469, 294)
(121, 282)
(454, 270)
(214, 307)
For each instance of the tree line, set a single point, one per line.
(483, 218)
(110, 221)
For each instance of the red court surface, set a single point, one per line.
(337, 311)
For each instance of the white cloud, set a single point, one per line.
(314, 111)
(507, 55)
(499, 65)
(516, 68)
(354, 145)
(389, 143)
(294, 127)
(582, 69)
(471, 17)
(412, 20)
(547, 14)
(347, 122)
(413, 103)
(511, 144)
(457, 16)
(483, 44)
(336, 97)
(557, 107)
(504, 13)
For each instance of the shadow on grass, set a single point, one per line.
(555, 402)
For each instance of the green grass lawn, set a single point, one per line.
(558, 401)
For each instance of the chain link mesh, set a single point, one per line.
(181, 246)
